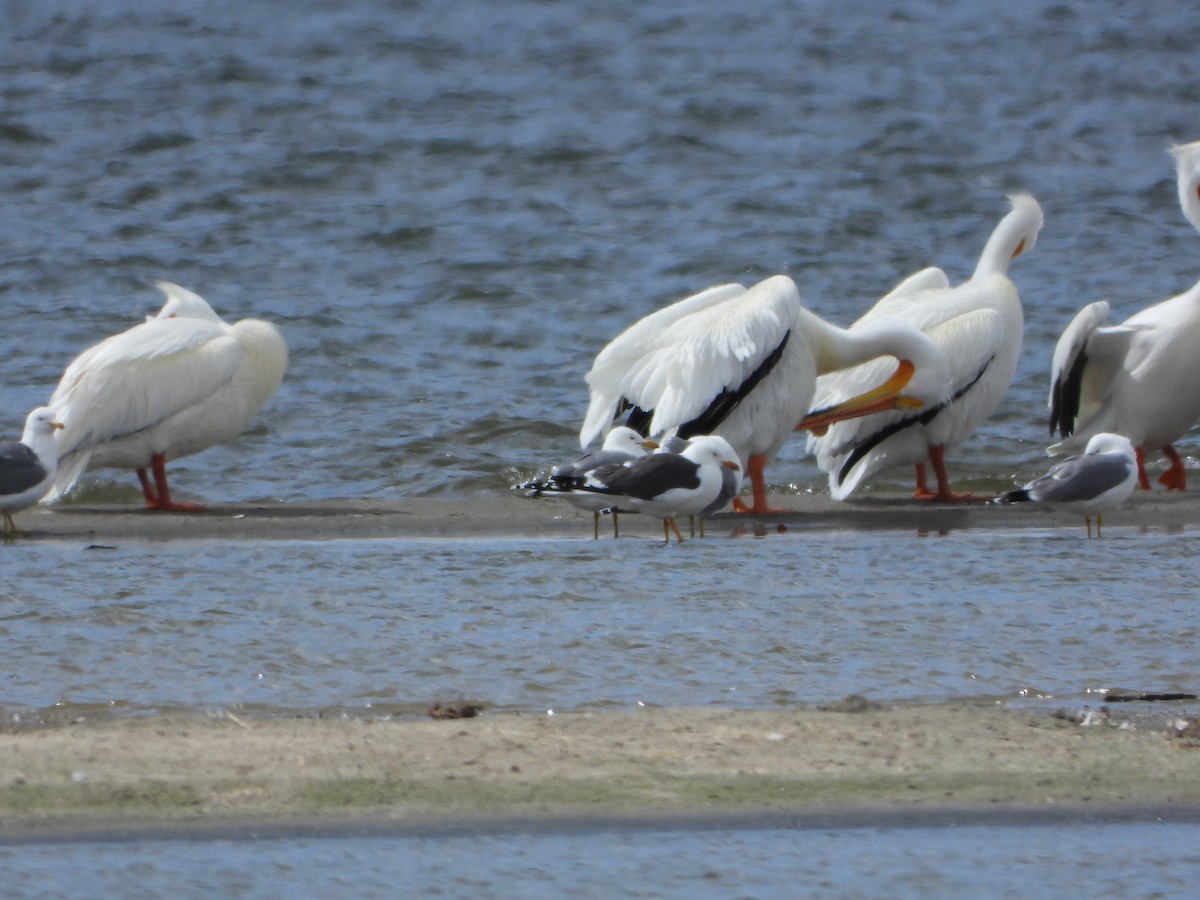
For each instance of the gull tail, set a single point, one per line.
(1018, 496)
(555, 487)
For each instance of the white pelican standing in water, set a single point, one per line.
(169, 387)
(1140, 378)
(742, 363)
(978, 327)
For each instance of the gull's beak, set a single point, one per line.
(730, 464)
(881, 399)
(649, 445)
(57, 425)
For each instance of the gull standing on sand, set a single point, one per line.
(667, 485)
(731, 483)
(742, 363)
(978, 327)
(621, 445)
(1139, 378)
(1100, 479)
(172, 386)
(28, 466)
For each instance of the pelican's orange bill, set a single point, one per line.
(879, 399)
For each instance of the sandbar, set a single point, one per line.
(189, 774)
(504, 515)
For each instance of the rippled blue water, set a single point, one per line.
(449, 208)
(1099, 860)
(383, 627)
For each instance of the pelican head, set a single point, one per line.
(1027, 217)
(184, 304)
(1187, 169)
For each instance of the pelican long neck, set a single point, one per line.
(838, 348)
(1016, 233)
(999, 250)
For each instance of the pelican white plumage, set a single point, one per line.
(169, 387)
(1102, 478)
(621, 445)
(1138, 378)
(27, 467)
(977, 326)
(742, 363)
(668, 485)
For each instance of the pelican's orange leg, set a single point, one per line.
(943, 493)
(147, 489)
(158, 465)
(1143, 480)
(758, 489)
(1175, 478)
(922, 492)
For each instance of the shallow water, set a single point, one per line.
(388, 626)
(449, 208)
(1100, 860)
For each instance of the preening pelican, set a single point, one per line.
(27, 467)
(621, 445)
(1099, 480)
(169, 387)
(1140, 378)
(668, 485)
(742, 363)
(977, 326)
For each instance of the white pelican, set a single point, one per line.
(742, 363)
(169, 387)
(27, 467)
(667, 485)
(978, 327)
(620, 445)
(1101, 479)
(1139, 378)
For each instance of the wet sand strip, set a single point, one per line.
(503, 515)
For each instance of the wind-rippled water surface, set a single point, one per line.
(1043, 861)
(450, 208)
(387, 627)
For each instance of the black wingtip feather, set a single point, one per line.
(1018, 496)
(1064, 408)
